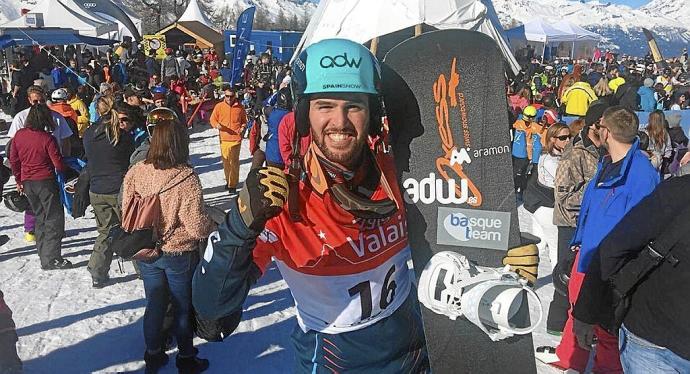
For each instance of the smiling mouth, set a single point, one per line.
(339, 136)
(340, 139)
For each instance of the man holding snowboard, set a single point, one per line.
(336, 228)
(341, 241)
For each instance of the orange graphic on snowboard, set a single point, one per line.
(446, 98)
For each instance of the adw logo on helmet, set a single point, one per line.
(339, 61)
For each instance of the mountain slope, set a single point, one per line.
(272, 8)
(620, 25)
(674, 9)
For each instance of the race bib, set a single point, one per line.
(342, 303)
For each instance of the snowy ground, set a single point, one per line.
(65, 326)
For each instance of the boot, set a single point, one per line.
(155, 361)
(191, 364)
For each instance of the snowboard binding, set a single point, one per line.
(493, 299)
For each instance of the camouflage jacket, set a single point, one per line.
(263, 73)
(576, 168)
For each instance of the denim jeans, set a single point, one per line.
(639, 356)
(169, 279)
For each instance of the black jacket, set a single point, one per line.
(660, 306)
(678, 136)
(107, 163)
(627, 97)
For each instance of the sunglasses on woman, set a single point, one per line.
(563, 137)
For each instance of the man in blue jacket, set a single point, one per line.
(281, 108)
(624, 177)
(646, 92)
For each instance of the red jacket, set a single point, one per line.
(34, 154)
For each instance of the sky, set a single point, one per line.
(632, 3)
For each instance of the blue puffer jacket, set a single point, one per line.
(605, 203)
(647, 101)
(272, 146)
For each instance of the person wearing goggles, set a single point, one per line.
(156, 116)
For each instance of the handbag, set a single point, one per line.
(137, 237)
(625, 281)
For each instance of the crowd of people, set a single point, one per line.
(109, 131)
(82, 134)
(587, 188)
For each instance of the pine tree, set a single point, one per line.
(281, 22)
(261, 21)
(294, 24)
(305, 19)
(226, 17)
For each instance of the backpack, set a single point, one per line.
(137, 236)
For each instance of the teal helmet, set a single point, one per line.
(334, 66)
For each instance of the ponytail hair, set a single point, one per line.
(109, 117)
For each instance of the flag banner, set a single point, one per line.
(241, 47)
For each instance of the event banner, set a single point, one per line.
(241, 48)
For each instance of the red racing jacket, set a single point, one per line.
(345, 273)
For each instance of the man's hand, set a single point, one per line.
(20, 188)
(263, 196)
(524, 261)
(584, 332)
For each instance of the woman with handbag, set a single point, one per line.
(539, 195)
(108, 145)
(182, 223)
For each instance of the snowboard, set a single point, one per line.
(76, 165)
(445, 99)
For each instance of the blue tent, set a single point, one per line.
(47, 36)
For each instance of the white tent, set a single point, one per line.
(122, 29)
(539, 31)
(563, 39)
(194, 13)
(585, 41)
(580, 33)
(364, 20)
(66, 14)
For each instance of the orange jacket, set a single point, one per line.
(66, 111)
(229, 119)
